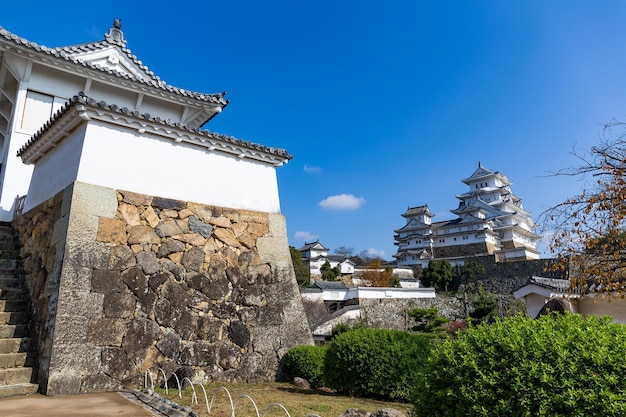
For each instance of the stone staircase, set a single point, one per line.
(17, 355)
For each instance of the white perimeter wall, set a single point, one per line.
(368, 292)
(120, 158)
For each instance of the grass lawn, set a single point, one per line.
(298, 402)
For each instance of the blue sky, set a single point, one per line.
(383, 105)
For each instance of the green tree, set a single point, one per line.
(302, 271)
(394, 282)
(438, 274)
(470, 272)
(428, 320)
(485, 306)
(328, 273)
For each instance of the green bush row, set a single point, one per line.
(557, 365)
(306, 362)
(363, 362)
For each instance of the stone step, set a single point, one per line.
(14, 317)
(16, 376)
(6, 234)
(13, 331)
(17, 360)
(13, 305)
(15, 345)
(8, 263)
(6, 252)
(8, 273)
(10, 282)
(18, 389)
(12, 294)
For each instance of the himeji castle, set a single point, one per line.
(491, 221)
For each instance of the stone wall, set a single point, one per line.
(506, 277)
(393, 314)
(146, 282)
(500, 279)
(470, 249)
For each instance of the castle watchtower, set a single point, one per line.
(148, 241)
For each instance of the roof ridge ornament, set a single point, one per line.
(115, 35)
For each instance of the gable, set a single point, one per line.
(112, 59)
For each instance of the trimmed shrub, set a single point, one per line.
(306, 362)
(557, 365)
(375, 363)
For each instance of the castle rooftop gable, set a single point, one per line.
(482, 173)
(110, 61)
(415, 211)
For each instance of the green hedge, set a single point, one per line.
(562, 365)
(375, 363)
(306, 362)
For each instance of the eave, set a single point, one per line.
(83, 109)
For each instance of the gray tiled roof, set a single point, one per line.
(330, 285)
(67, 53)
(412, 211)
(309, 245)
(83, 99)
(554, 284)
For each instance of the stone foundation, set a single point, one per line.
(467, 250)
(122, 283)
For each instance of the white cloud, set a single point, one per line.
(312, 170)
(305, 236)
(342, 202)
(376, 253)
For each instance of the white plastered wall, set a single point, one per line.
(111, 156)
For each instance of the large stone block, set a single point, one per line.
(136, 281)
(193, 259)
(238, 333)
(143, 234)
(170, 246)
(119, 305)
(75, 277)
(140, 334)
(89, 254)
(94, 199)
(106, 331)
(129, 214)
(112, 231)
(198, 354)
(171, 227)
(63, 383)
(106, 281)
(169, 344)
(148, 262)
(80, 303)
(120, 258)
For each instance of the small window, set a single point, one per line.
(38, 109)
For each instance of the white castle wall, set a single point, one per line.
(120, 158)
